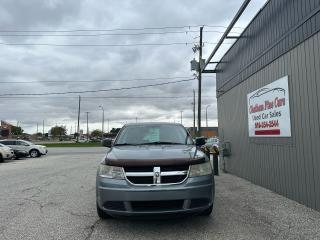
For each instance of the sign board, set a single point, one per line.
(269, 110)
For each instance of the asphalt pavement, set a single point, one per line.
(53, 197)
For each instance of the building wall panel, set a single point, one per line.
(288, 166)
(279, 27)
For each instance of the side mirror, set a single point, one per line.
(200, 141)
(107, 142)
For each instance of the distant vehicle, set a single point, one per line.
(5, 152)
(103, 141)
(32, 149)
(83, 140)
(154, 169)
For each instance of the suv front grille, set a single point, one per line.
(156, 175)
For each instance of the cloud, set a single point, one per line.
(67, 64)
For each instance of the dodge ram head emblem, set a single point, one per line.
(156, 175)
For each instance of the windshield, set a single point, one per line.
(153, 134)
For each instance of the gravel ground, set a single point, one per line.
(53, 197)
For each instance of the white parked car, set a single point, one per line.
(5, 152)
(22, 145)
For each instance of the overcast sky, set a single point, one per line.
(30, 68)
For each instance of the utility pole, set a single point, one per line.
(199, 83)
(37, 129)
(78, 129)
(87, 126)
(136, 119)
(43, 128)
(102, 130)
(181, 116)
(207, 115)
(194, 112)
(108, 125)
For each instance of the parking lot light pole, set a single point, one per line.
(207, 115)
(78, 127)
(87, 126)
(102, 127)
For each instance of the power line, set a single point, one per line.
(95, 91)
(109, 34)
(102, 45)
(143, 97)
(115, 29)
(97, 45)
(102, 97)
(100, 80)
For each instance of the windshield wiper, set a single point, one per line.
(159, 143)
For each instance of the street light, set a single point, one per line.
(207, 115)
(181, 116)
(102, 121)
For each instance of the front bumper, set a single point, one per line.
(120, 198)
(44, 151)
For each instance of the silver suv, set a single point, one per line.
(22, 145)
(154, 169)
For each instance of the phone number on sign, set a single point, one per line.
(267, 124)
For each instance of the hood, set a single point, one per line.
(154, 155)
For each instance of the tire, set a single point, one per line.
(101, 213)
(207, 212)
(34, 153)
(1, 159)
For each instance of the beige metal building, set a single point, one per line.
(268, 90)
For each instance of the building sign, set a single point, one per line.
(269, 111)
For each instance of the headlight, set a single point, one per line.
(110, 172)
(200, 169)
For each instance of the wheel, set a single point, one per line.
(1, 158)
(34, 153)
(101, 213)
(207, 212)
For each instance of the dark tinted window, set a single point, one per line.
(8, 142)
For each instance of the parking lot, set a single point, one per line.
(53, 197)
